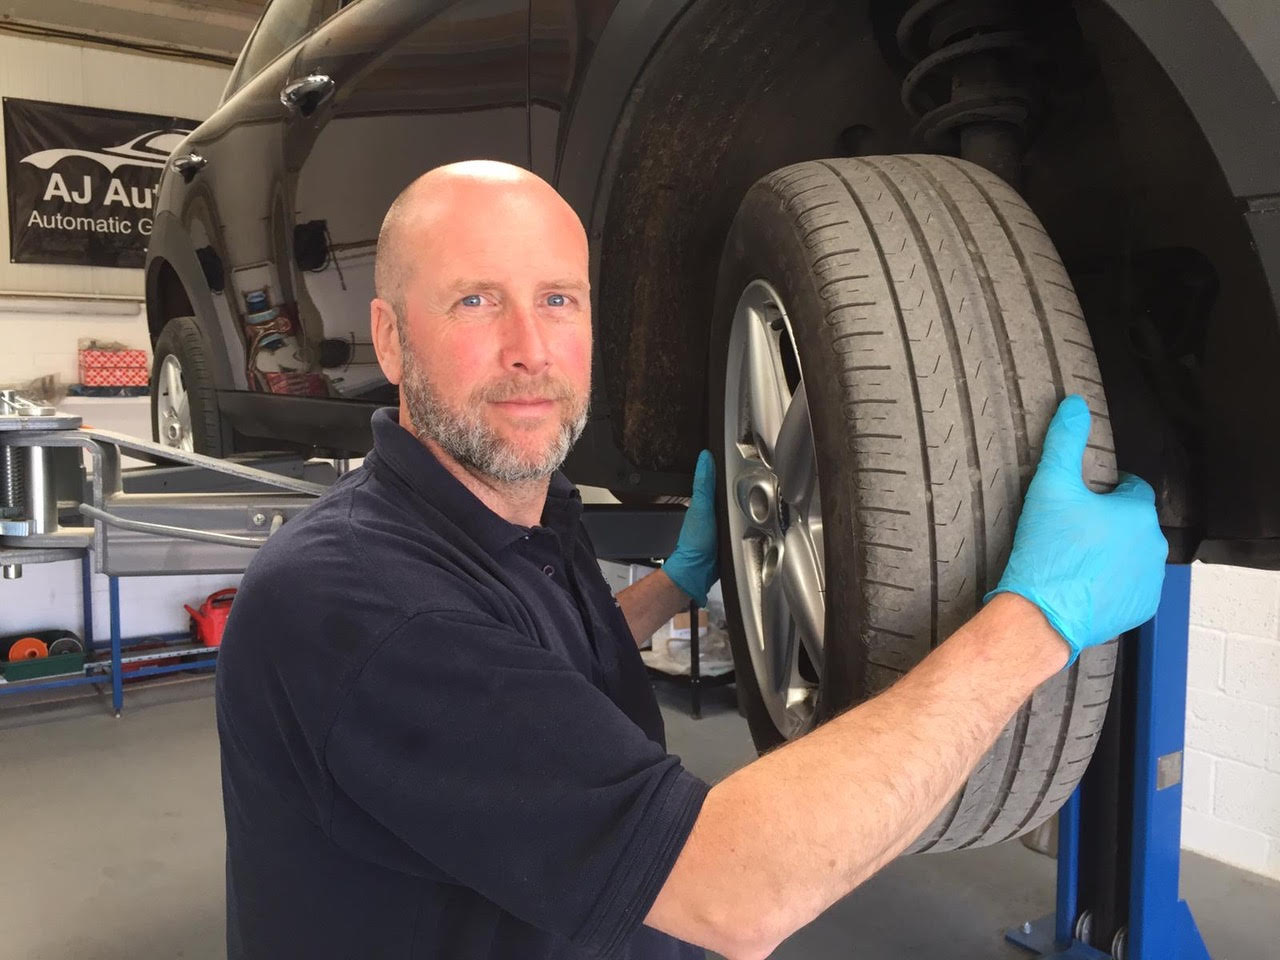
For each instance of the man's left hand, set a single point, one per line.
(695, 565)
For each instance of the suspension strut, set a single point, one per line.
(974, 83)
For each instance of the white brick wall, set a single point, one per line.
(1231, 786)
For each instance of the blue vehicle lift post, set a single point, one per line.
(1119, 836)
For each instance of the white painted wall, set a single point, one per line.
(48, 596)
(42, 334)
(1231, 790)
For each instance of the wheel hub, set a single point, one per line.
(173, 407)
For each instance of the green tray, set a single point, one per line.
(16, 670)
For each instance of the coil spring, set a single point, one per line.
(972, 60)
(12, 481)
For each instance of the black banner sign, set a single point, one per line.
(82, 181)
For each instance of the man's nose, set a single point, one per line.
(525, 346)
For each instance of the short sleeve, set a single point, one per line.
(501, 765)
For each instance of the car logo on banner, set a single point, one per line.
(151, 149)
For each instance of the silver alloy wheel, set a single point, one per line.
(173, 406)
(775, 510)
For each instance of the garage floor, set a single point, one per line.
(111, 848)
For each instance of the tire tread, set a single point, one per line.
(955, 331)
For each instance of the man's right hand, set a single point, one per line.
(1092, 562)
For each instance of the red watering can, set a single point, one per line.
(207, 622)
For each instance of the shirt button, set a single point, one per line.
(548, 569)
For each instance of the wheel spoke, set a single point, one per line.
(801, 576)
(173, 384)
(793, 459)
(738, 467)
(767, 388)
(778, 634)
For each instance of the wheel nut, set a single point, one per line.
(755, 496)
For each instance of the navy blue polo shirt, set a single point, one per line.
(438, 740)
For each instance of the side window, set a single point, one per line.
(284, 23)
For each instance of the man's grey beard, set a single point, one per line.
(467, 438)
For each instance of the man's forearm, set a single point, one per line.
(649, 603)
(786, 836)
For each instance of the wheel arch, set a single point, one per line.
(690, 75)
(705, 97)
(166, 297)
(175, 285)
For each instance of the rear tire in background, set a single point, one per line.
(891, 336)
(184, 399)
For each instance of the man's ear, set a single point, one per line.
(386, 339)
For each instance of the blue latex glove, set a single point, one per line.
(1092, 562)
(695, 564)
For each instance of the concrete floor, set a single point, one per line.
(111, 847)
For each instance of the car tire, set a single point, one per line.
(184, 398)
(924, 311)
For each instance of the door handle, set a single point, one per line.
(188, 166)
(306, 94)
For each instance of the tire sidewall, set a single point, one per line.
(183, 339)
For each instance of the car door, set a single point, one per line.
(229, 173)
(399, 86)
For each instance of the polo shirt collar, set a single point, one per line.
(408, 458)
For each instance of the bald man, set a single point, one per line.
(437, 736)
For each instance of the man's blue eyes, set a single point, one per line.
(476, 300)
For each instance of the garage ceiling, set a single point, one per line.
(208, 30)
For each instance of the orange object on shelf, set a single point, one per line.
(208, 622)
(28, 648)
